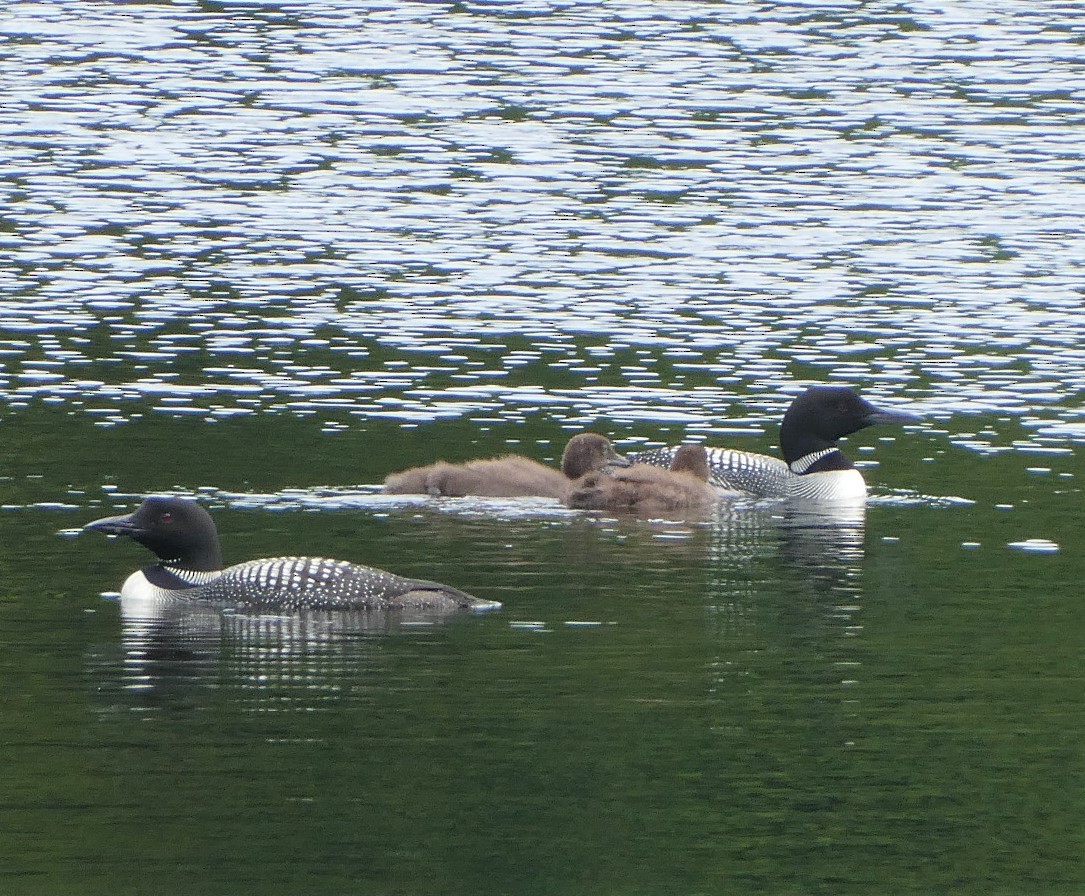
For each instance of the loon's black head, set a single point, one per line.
(822, 415)
(176, 530)
(587, 453)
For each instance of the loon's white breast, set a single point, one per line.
(137, 587)
(832, 486)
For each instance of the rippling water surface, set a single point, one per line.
(267, 253)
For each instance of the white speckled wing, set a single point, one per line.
(293, 583)
(743, 471)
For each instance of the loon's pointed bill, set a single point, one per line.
(123, 525)
(183, 536)
(883, 417)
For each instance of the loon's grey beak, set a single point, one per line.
(879, 416)
(114, 525)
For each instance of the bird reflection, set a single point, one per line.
(806, 538)
(784, 618)
(824, 540)
(292, 661)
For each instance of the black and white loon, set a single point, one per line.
(183, 536)
(814, 468)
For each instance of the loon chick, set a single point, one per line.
(650, 490)
(511, 476)
(183, 536)
(814, 468)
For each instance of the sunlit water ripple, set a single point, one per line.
(673, 210)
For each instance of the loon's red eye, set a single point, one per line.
(166, 518)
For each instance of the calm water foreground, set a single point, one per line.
(765, 702)
(265, 254)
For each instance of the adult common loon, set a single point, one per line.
(183, 536)
(814, 468)
(650, 490)
(510, 476)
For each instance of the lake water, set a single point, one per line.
(265, 254)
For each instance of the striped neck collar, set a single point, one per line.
(175, 578)
(804, 463)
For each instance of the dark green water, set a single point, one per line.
(265, 254)
(760, 703)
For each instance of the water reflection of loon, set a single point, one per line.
(786, 657)
(783, 607)
(295, 661)
(818, 549)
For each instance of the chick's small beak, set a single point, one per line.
(614, 459)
